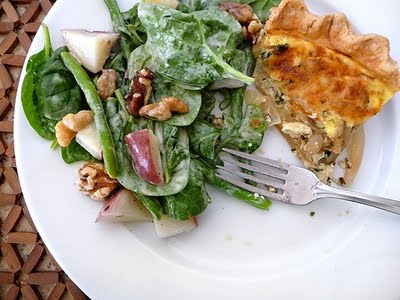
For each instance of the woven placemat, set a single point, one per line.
(27, 269)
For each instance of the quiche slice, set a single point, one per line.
(322, 80)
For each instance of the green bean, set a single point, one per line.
(47, 42)
(93, 99)
(237, 192)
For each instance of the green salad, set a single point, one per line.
(148, 108)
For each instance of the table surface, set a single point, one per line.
(27, 269)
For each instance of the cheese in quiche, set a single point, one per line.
(322, 79)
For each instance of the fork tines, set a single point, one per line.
(270, 175)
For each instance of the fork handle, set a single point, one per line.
(324, 191)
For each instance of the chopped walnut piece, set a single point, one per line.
(176, 105)
(78, 121)
(64, 135)
(254, 27)
(156, 110)
(67, 128)
(107, 83)
(95, 182)
(140, 91)
(243, 13)
(163, 110)
(252, 30)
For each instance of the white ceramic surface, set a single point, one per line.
(345, 251)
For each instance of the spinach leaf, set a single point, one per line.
(192, 98)
(192, 201)
(260, 7)
(43, 126)
(140, 57)
(49, 90)
(249, 136)
(36, 60)
(128, 177)
(134, 26)
(57, 91)
(117, 62)
(238, 132)
(203, 139)
(75, 152)
(191, 49)
(208, 100)
(243, 59)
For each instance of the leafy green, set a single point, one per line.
(75, 152)
(192, 201)
(49, 91)
(57, 91)
(191, 98)
(207, 140)
(43, 126)
(207, 104)
(128, 177)
(194, 5)
(170, 155)
(203, 139)
(139, 58)
(134, 26)
(248, 137)
(191, 49)
(237, 192)
(243, 134)
(260, 7)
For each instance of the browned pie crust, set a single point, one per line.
(334, 31)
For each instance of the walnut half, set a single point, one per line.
(140, 91)
(244, 14)
(67, 128)
(95, 182)
(163, 110)
(107, 83)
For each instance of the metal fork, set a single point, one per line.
(289, 183)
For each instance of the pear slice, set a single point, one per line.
(88, 138)
(91, 49)
(167, 226)
(123, 207)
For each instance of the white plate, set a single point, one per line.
(345, 251)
